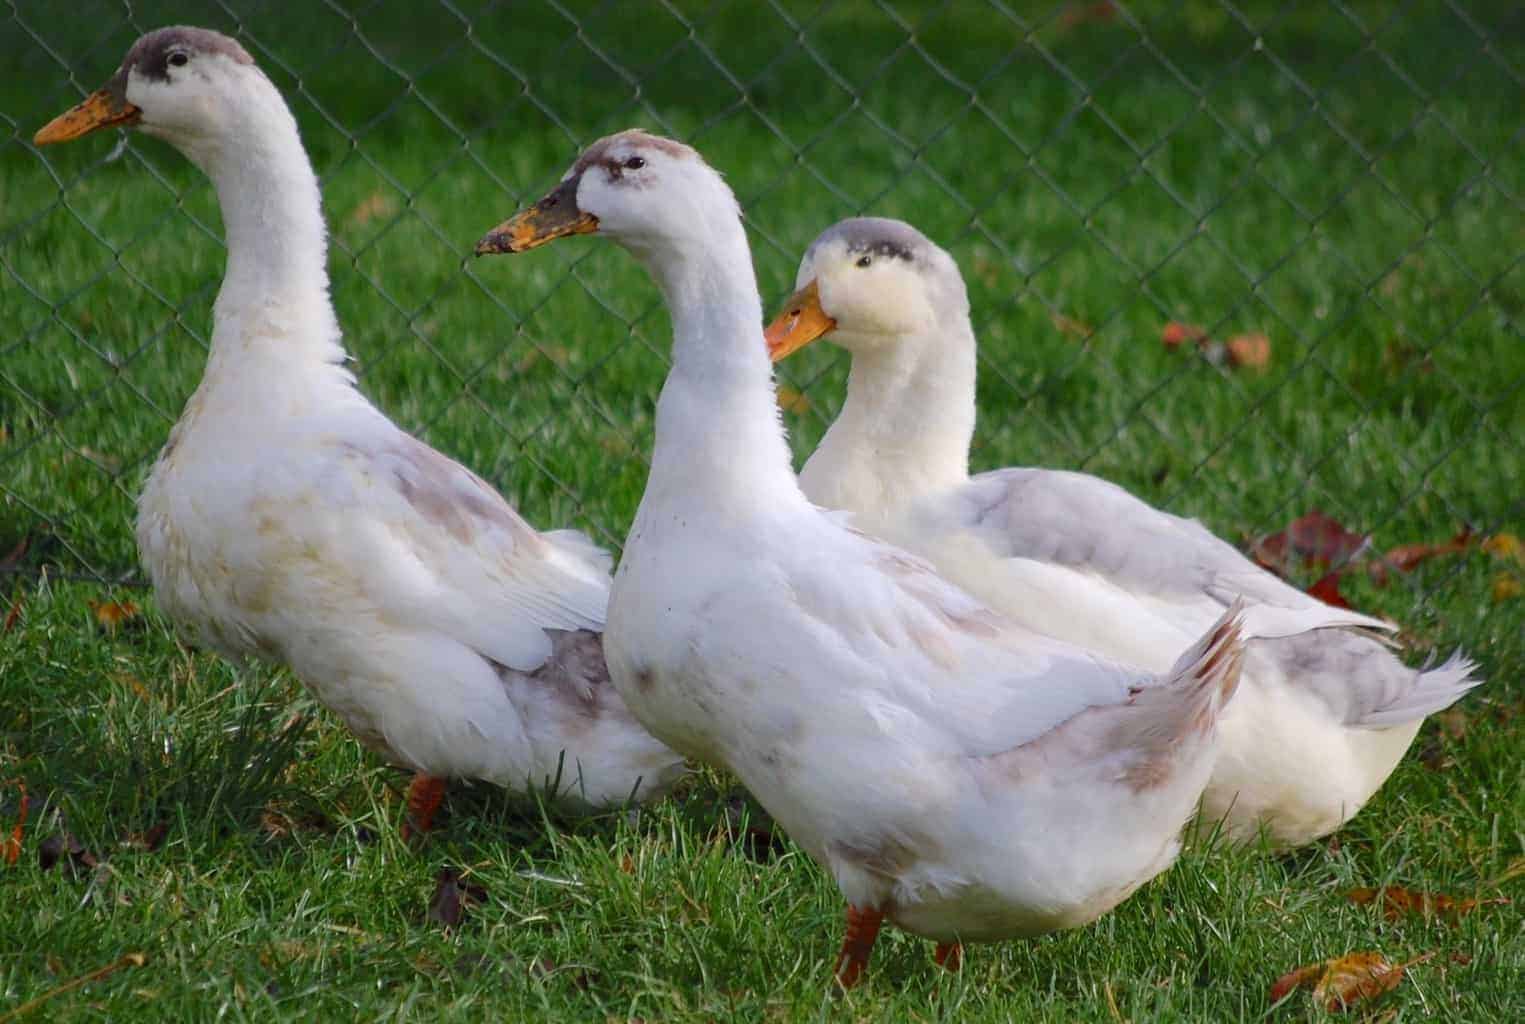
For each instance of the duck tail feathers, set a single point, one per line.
(1433, 689)
(1210, 668)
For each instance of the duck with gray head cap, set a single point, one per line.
(1325, 710)
(955, 773)
(288, 519)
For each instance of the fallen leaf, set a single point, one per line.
(150, 839)
(1505, 545)
(1327, 590)
(1071, 327)
(1313, 539)
(377, 204)
(1302, 977)
(452, 897)
(791, 400)
(1398, 902)
(1405, 557)
(1453, 722)
(10, 850)
(1252, 350)
(113, 615)
(1341, 982)
(1506, 586)
(1359, 976)
(627, 864)
(1176, 334)
(1079, 14)
(12, 616)
(62, 847)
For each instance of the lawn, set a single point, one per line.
(1344, 178)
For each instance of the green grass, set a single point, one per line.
(1375, 238)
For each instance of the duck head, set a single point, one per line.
(651, 194)
(193, 87)
(869, 283)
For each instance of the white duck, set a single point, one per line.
(289, 519)
(1321, 719)
(954, 772)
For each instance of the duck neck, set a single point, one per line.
(275, 289)
(718, 432)
(905, 427)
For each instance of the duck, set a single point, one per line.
(288, 519)
(1324, 713)
(956, 774)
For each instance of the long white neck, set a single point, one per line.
(275, 291)
(905, 428)
(718, 434)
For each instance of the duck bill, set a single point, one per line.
(103, 108)
(555, 216)
(801, 322)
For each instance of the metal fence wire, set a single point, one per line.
(1337, 182)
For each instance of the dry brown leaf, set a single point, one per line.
(1406, 557)
(791, 400)
(1252, 350)
(1506, 586)
(12, 616)
(1313, 539)
(1079, 14)
(150, 839)
(1339, 983)
(113, 615)
(1453, 722)
(1506, 546)
(1071, 327)
(377, 204)
(1176, 334)
(1397, 902)
(1303, 977)
(62, 847)
(10, 849)
(452, 897)
(1355, 977)
(627, 864)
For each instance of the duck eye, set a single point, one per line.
(865, 261)
(179, 59)
(635, 163)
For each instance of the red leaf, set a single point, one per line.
(1314, 539)
(1327, 590)
(10, 849)
(1252, 350)
(1302, 977)
(1405, 557)
(1176, 334)
(1396, 902)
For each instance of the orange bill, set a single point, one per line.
(553, 217)
(802, 321)
(101, 109)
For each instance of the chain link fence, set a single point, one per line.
(1321, 201)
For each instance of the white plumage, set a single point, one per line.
(1325, 710)
(954, 771)
(288, 519)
